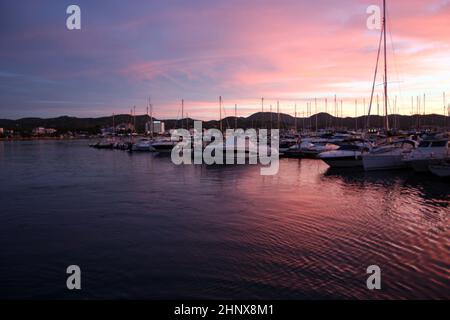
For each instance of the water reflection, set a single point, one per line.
(145, 228)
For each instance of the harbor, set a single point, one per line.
(238, 152)
(421, 151)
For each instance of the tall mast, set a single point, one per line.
(270, 112)
(335, 109)
(134, 112)
(395, 113)
(148, 105)
(424, 99)
(182, 113)
(220, 113)
(445, 110)
(315, 106)
(386, 123)
(424, 118)
(262, 113)
(151, 117)
(295, 119)
(235, 117)
(378, 108)
(278, 111)
(418, 112)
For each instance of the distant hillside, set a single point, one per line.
(258, 120)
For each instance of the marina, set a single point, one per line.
(416, 151)
(247, 152)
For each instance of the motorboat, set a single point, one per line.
(390, 156)
(286, 144)
(309, 150)
(346, 156)
(144, 145)
(164, 145)
(427, 152)
(103, 144)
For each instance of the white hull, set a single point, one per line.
(343, 158)
(372, 162)
(343, 162)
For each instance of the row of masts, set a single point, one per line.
(418, 107)
(311, 114)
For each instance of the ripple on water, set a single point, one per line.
(145, 228)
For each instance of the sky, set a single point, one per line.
(291, 51)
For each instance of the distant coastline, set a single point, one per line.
(85, 127)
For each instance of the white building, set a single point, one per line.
(41, 131)
(157, 127)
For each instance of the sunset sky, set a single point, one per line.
(287, 50)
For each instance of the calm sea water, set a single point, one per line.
(141, 227)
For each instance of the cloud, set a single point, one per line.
(242, 50)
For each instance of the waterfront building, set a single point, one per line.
(157, 127)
